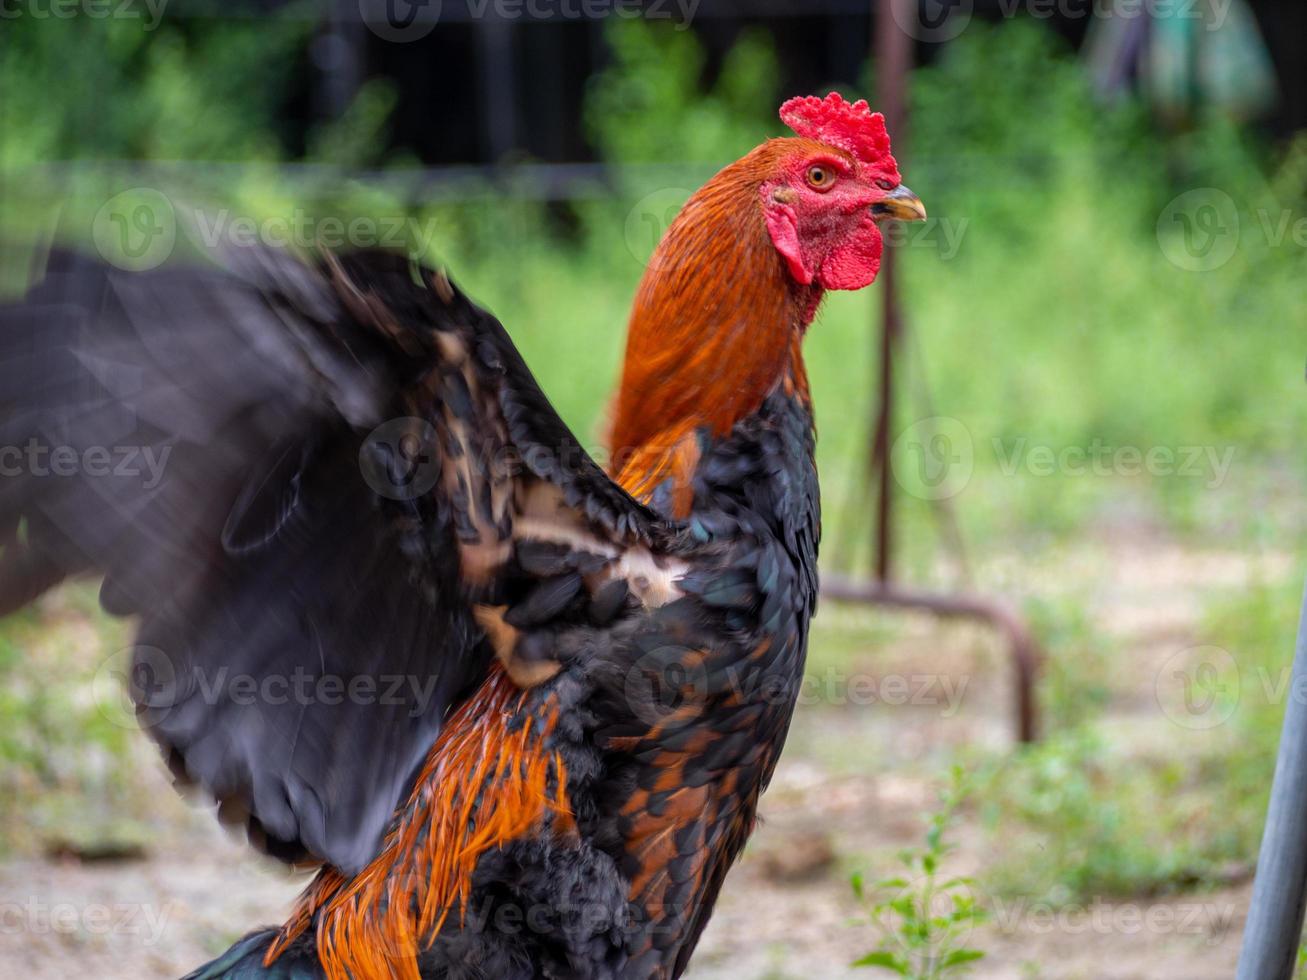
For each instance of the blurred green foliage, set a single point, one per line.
(1075, 684)
(1090, 812)
(1061, 320)
(649, 106)
(1080, 817)
(84, 88)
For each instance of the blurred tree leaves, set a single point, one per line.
(105, 88)
(649, 106)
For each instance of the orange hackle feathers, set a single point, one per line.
(712, 328)
(490, 778)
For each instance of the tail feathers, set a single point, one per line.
(244, 961)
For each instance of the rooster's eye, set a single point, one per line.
(820, 178)
(885, 185)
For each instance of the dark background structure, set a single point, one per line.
(517, 78)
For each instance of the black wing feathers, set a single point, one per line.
(303, 631)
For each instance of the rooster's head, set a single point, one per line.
(829, 188)
(735, 282)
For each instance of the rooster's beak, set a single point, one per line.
(900, 204)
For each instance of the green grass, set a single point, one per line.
(1088, 812)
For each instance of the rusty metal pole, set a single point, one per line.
(1022, 645)
(892, 50)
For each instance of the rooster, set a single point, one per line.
(518, 712)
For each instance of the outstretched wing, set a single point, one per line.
(310, 483)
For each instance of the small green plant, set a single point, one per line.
(923, 917)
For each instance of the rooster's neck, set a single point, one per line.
(716, 326)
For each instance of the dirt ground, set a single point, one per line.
(851, 789)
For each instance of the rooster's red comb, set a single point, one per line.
(849, 126)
